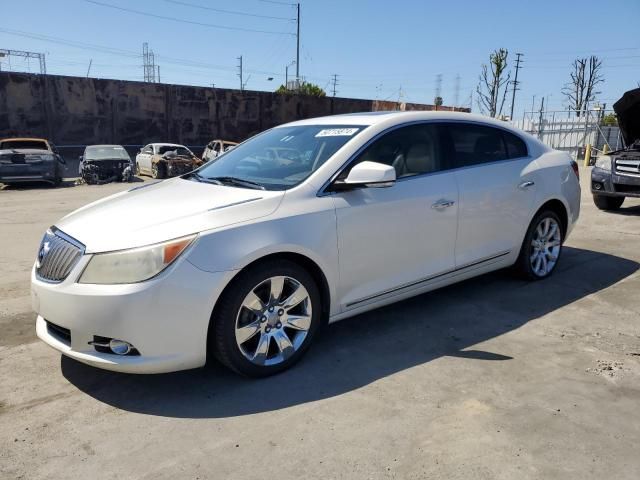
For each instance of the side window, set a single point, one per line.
(411, 150)
(516, 148)
(476, 144)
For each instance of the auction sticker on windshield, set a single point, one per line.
(337, 132)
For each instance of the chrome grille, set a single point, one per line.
(624, 165)
(57, 255)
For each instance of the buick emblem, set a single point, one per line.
(42, 253)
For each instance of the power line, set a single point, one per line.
(230, 12)
(180, 20)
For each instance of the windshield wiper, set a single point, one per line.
(202, 179)
(237, 181)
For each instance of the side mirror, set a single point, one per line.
(369, 175)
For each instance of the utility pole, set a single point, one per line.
(298, 49)
(89, 69)
(240, 72)
(456, 97)
(159, 74)
(515, 84)
(540, 118)
(335, 83)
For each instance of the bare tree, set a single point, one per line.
(494, 79)
(586, 75)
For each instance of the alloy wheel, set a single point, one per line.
(545, 246)
(273, 320)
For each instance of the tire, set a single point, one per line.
(158, 170)
(604, 202)
(260, 328)
(536, 246)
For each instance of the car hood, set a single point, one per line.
(628, 111)
(162, 211)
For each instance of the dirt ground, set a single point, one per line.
(494, 378)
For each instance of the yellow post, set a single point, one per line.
(587, 155)
(605, 149)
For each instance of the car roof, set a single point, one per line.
(167, 144)
(396, 117)
(103, 146)
(24, 139)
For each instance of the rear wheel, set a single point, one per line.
(266, 320)
(542, 246)
(604, 202)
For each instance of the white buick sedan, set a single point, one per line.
(245, 258)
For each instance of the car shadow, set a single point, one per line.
(65, 183)
(371, 346)
(629, 211)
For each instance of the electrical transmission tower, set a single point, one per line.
(20, 53)
(515, 83)
(240, 72)
(438, 96)
(456, 94)
(149, 64)
(335, 83)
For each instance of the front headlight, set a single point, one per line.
(134, 265)
(604, 162)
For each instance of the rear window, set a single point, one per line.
(33, 144)
(516, 148)
(476, 144)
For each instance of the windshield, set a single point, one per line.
(172, 148)
(106, 153)
(280, 158)
(31, 144)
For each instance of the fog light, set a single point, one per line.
(120, 347)
(597, 186)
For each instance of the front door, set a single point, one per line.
(391, 238)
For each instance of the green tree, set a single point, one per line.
(305, 88)
(609, 120)
(438, 101)
(494, 79)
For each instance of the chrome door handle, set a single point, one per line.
(440, 204)
(526, 184)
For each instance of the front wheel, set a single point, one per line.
(266, 320)
(542, 246)
(158, 170)
(604, 202)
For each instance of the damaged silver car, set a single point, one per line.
(104, 164)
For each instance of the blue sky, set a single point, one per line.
(379, 49)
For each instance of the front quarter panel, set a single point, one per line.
(304, 224)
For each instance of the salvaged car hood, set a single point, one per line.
(628, 111)
(162, 211)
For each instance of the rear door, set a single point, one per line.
(391, 239)
(496, 181)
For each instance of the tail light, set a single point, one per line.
(576, 169)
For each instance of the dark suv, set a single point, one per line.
(616, 175)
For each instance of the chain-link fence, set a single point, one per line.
(564, 130)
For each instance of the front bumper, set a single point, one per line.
(614, 185)
(166, 318)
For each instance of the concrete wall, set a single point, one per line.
(75, 111)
